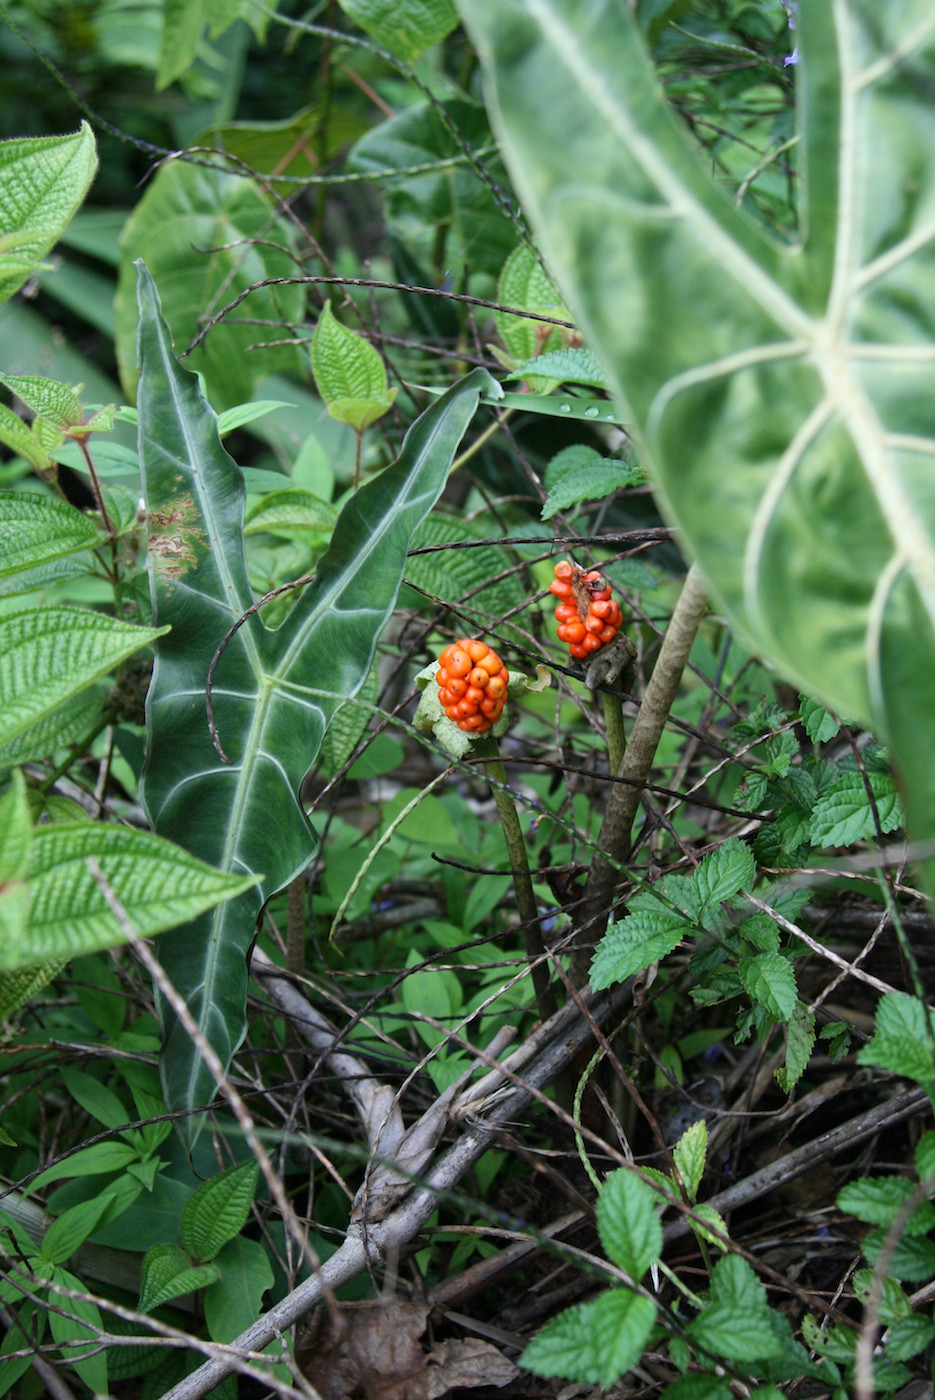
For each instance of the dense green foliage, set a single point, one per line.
(294, 396)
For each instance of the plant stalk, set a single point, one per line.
(522, 881)
(615, 838)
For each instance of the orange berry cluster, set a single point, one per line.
(472, 682)
(588, 617)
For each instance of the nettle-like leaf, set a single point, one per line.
(157, 885)
(168, 1273)
(782, 391)
(736, 1322)
(43, 181)
(636, 941)
(902, 1040)
(628, 1222)
(218, 1210)
(596, 1342)
(405, 27)
(37, 529)
(578, 474)
(525, 285)
(349, 374)
(275, 692)
(49, 656)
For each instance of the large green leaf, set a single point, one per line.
(275, 692)
(195, 229)
(450, 199)
(783, 393)
(42, 182)
(156, 884)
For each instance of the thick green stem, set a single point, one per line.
(522, 880)
(616, 734)
(615, 834)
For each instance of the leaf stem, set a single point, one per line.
(481, 440)
(522, 881)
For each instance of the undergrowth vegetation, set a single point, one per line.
(411, 988)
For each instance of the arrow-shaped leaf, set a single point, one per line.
(275, 692)
(783, 392)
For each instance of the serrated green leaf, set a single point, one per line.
(843, 815)
(73, 720)
(736, 1323)
(879, 1200)
(638, 940)
(157, 884)
(628, 1223)
(907, 1337)
(447, 194)
(349, 725)
(800, 1041)
(621, 1322)
(565, 1347)
(819, 725)
(570, 365)
(525, 285)
(15, 832)
(23, 439)
(168, 1273)
(483, 578)
(19, 987)
(902, 1041)
(50, 654)
(292, 509)
(723, 873)
(349, 373)
(690, 1154)
(43, 180)
(275, 691)
(593, 481)
(912, 1260)
(793, 458)
(188, 207)
(406, 27)
(57, 403)
(37, 529)
(768, 979)
(925, 1156)
(218, 1211)
(718, 1231)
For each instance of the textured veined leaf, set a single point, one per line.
(157, 884)
(782, 393)
(50, 654)
(42, 182)
(405, 27)
(484, 579)
(525, 285)
(349, 373)
(46, 397)
(36, 529)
